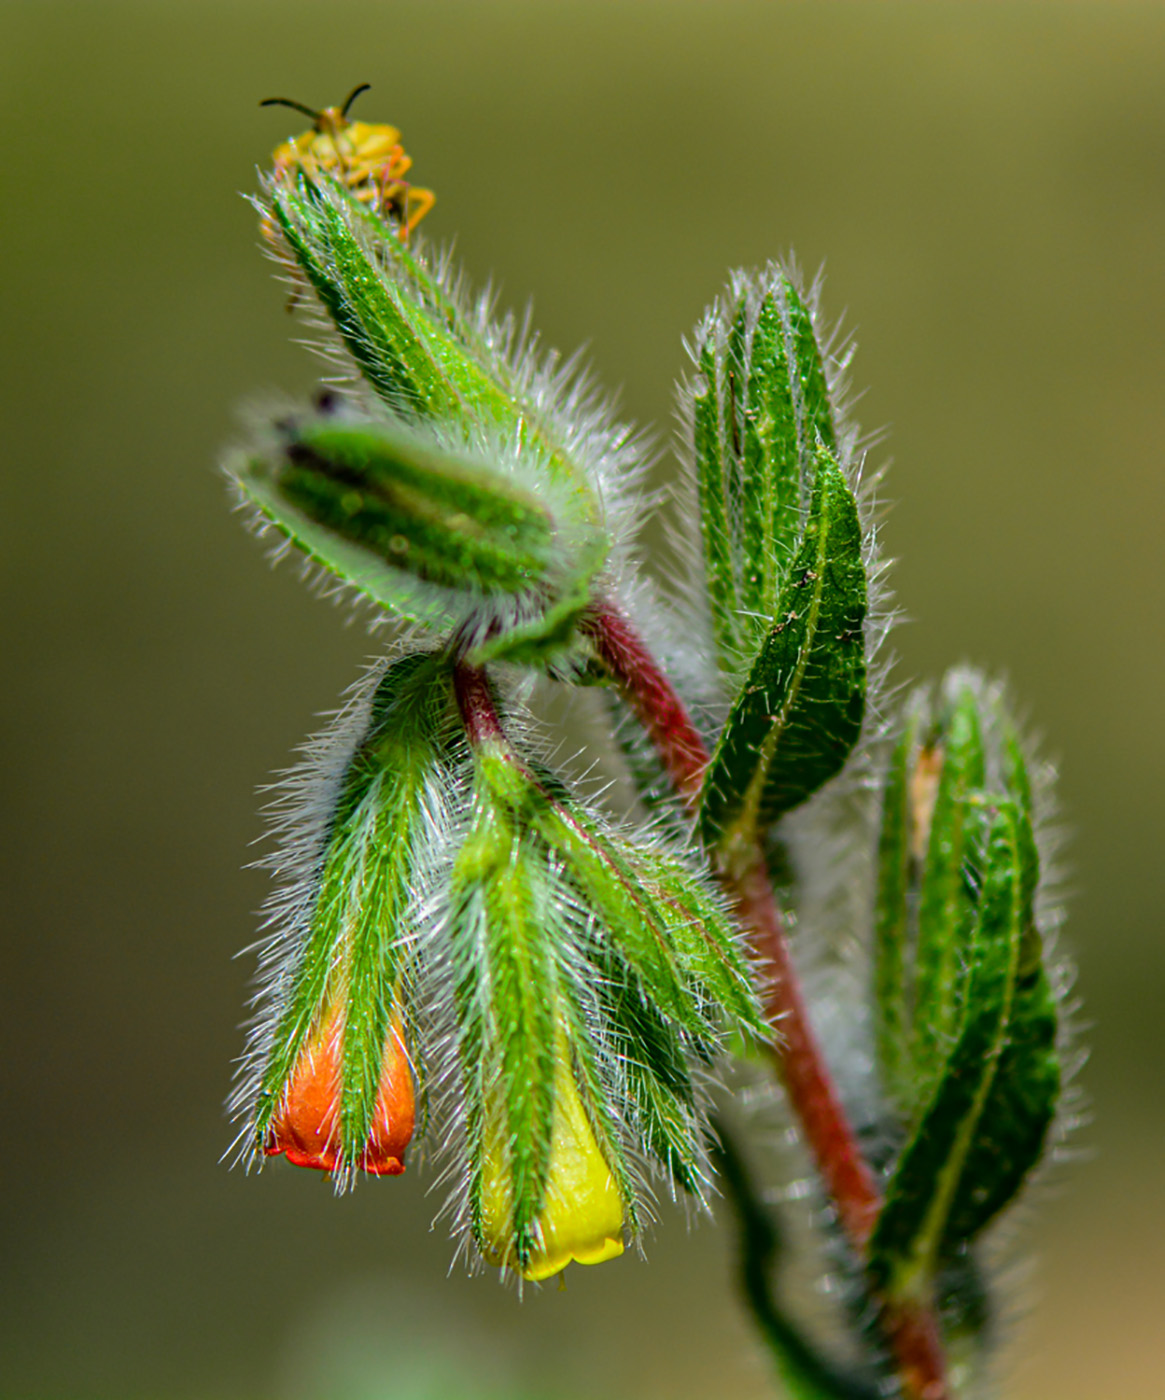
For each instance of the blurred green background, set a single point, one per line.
(987, 184)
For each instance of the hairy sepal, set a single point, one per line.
(516, 934)
(405, 334)
(352, 942)
(434, 533)
(654, 977)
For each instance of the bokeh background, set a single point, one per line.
(985, 183)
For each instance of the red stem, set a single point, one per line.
(476, 703)
(912, 1331)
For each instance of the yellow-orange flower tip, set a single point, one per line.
(306, 1128)
(581, 1220)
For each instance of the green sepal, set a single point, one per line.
(661, 963)
(358, 948)
(415, 366)
(800, 709)
(502, 926)
(760, 409)
(891, 981)
(405, 334)
(427, 532)
(521, 1003)
(913, 1231)
(543, 636)
(659, 1095)
(662, 920)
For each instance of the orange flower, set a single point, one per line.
(306, 1127)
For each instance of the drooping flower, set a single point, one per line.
(582, 1214)
(306, 1127)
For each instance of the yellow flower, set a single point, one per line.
(582, 1212)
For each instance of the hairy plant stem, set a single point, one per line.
(911, 1329)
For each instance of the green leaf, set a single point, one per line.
(891, 981)
(945, 908)
(913, 1228)
(1020, 1109)
(760, 410)
(357, 947)
(800, 710)
(1021, 1106)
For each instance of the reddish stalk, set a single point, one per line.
(912, 1331)
(478, 714)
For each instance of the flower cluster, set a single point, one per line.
(454, 926)
(465, 945)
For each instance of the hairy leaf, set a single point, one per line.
(1021, 1106)
(800, 709)
(891, 982)
(760, 410)
(913, 1226)
(945, 910)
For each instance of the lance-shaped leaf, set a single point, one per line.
(945, 909)
(800, 709)
(405, 335)
(760, 408)
(913, 1227)
(338, 978)
(430, 533)
(1021, 1105)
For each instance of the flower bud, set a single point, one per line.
(581, 1219)
(448, 537)
(307, 1125)
(591, 981)
(968, 1015)
(328, 1078)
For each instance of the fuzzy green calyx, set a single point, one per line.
(760, 411)
(436, 535)
(340, 973)
(594, 976)
(413, 346)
